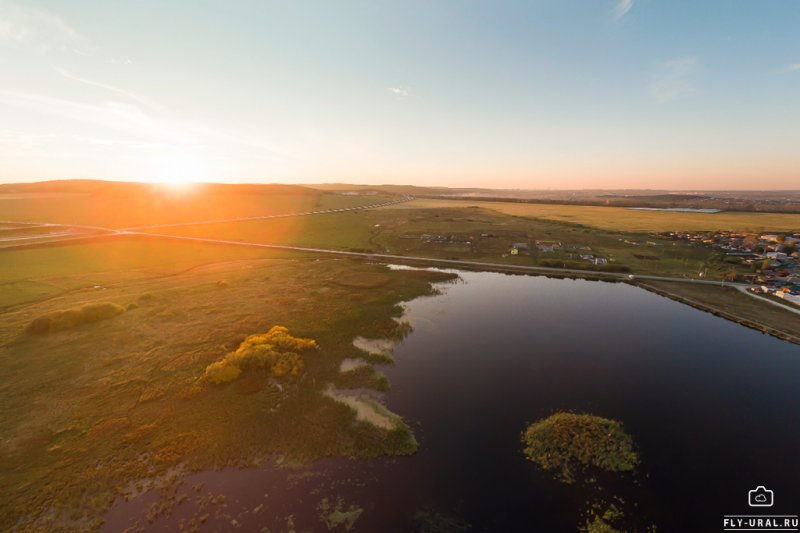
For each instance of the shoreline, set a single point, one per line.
(763, 328)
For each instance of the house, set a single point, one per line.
(794, 298)
(548, 246)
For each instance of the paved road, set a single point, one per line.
(767, 300)
(204, 222)
(435, 261)
(267, 217)
(95, 231)
(376, 256)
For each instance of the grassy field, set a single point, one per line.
(121, 404)
(348, 231)
(477, 234)
(116, 379)
(119, 208)
(36, 273)
(628, 220)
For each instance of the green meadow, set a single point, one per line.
(472, 234)
(34, 273)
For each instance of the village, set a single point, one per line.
(773, 258)
(768, 261)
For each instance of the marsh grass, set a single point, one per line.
(125, 402)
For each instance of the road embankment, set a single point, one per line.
(730, 304)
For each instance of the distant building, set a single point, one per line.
(547, 246)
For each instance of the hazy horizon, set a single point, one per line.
(613, 94)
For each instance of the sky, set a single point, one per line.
(533, 94)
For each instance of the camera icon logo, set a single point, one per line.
(760, 497)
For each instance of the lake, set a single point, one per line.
(711, 405)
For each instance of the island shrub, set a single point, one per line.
(70, 318)
(567, 443)
(276, 351)
(600, 521)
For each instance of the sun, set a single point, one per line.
(178, 169)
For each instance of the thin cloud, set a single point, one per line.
(109, 88)
(791, 68)
(399, 92)
(674, 79)
(117, 116)
(39, 30)
(622, 8)
(150, 123)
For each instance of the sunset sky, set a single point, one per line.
(555, 94)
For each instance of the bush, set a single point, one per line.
(566, 443)
(276, 351)
(222, 372)
(71, 318)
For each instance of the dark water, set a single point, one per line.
(712, 406)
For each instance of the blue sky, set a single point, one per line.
(538, 94)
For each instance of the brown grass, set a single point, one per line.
(630, 220)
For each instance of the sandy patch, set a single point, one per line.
(351, 364)
(367, 410)
(376, 346)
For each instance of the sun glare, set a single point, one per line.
(176, 169)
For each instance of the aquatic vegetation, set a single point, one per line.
(431, 520)
(71, 318)
(275, 351)
(602, 522)
(339, 514)
(567, 443)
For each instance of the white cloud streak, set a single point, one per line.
(149, 124)
(791, 68)
(39, 30)
(674, 80)
(116, 116)
(622, 8)
(109, 88)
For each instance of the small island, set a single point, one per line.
(568, 443)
